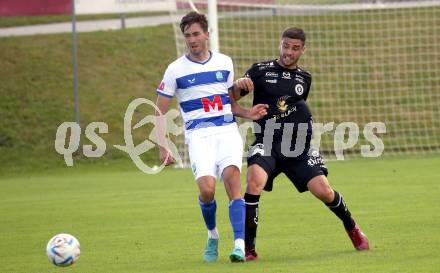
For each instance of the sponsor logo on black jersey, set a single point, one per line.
(272, 81)
(272, 74)
(283, 108)
(286, 75)
(299, 89)
(298, 78)
(282, 104)
(262, 66)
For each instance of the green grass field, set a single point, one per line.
(128, 221)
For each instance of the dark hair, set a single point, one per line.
(294, 33)
(192, 18)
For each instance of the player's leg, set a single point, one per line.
(256, 180)
(206, 200)
(260, 174)
(320, 187)
(231, 179)
(229, 161)
(208, 206)
(311, 174)
(203, 167)
(314, 172)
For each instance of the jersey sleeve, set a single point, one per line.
(230, 81)
(251, 72)
(168, 84)
(306, 92)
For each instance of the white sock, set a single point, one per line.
(213, 234)
(240, 243)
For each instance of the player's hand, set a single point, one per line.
(165, 156)
(245, 84)
(258, 111)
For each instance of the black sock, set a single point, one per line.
(339, 208)
(250, 233)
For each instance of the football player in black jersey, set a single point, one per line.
(284, 86)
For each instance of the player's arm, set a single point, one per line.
(256, 112)
(163, 104)
(307, 91)
(242, 87)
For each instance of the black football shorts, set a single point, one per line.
(299, 170)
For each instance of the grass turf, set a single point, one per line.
(128, 221)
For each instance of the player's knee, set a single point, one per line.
(207, 188)
(321, 189)
(327, 194)
(254, 185)
(231, 172)
(207, 195)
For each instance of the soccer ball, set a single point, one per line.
(63, 249)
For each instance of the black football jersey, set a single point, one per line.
(285, 91)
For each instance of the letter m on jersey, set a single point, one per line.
(209, 105)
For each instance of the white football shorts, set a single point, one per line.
(211, 154)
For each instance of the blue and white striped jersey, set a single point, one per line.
(201, 89)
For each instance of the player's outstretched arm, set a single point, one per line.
(256, 112)
(165, 156)
(242, 87)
